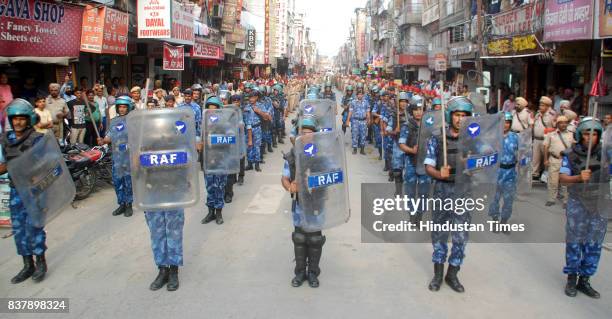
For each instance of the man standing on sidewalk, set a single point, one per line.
(555, 143)
(543, 121)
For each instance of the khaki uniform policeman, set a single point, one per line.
(543, 120)
(555, 143)
(522, 118)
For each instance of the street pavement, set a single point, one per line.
(243, 268)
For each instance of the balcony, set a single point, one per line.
(410, 14)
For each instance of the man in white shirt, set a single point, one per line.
(102, 102)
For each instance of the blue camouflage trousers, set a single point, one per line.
(254, 152)
(215, 188)
(123, 188)
(415, 185)
(388, 148)
(377, 136)
(397, 156)
(166, 236)
(267, 135)
(585, 232)
(439, 239)
(506, 190)
(358, 132)
(29, 240)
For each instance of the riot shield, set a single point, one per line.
(164, 158)
(118, 133)
(242, 144)
(323, 110)
(322, 181)
(478, 100)
(221, 136)
(604, 202)
(525, 155)
(431, 123)
(479, 154)
(42, 180)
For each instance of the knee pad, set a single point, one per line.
(298, 238)
(315, 239)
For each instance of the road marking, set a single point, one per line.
(267, 200)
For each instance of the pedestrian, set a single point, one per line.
(509, 104)
(117, 136)
(76, 117)
(506, 177)
(585, 226)
(6, 95)
(29, 240)
(359, 115)
(457, 109)
(543, 122)
(58, 108)
(215, 184)
(178, 97)
(136, 98)
(45, 121)
(92, 120)
(307, 246)
(555, 143)
(102, 103)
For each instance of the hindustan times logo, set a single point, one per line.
(413, 205)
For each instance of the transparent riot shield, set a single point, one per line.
(118, 133)
(604, 202)
(164, 158)
(478, 100)
(323, 110)
(431, 124)
(322, 181)
(42, 180)
(479, 155)
(525, 155)
(221, 137)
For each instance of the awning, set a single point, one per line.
(510, 56)
(65, 61)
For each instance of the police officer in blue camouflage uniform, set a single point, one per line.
(279, 102)
(117, 136)
(215, 184)
(387, 141)
(346, 100)
(308, 246)
(197, 111)
(252, 112)
(506, 176)
(415, 184)
(373, 100)
(376, 122)
(358, 115)
(328, 93)
(395, 119)
(458, 108)
(267, 108)
(585, 226)
(29, 240)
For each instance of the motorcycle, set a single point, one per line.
(81, 161)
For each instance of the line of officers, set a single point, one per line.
(415, 163)
(258, 113)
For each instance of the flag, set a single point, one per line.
(599, 87)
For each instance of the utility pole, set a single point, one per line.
(479, 18)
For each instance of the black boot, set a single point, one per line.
(281, 135)
(120, 210)
(386, 167)
(300, 249)
(128, 210)
(436, 281)
(270, 150)
(399, 182)
(41, 268)
(161, 279)
(249, 166)
(274, 143)
(229, 189)
(452, 280)
(391, 178)
(506, 230)
(26, 272)
(315, 249)
(257, 169)
(380, 154)
(362, 151)
(354, 150)
(585, 287)
(263, 150)
(570, 287)
(228, 197)
(210, 217)
(240, 179)
(219, 216)
(173, 281)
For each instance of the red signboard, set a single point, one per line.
(203, 50)
(208, 62)
(174, 57)
(413, 59)
(33, 28)
(104, 31)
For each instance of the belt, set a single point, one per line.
(256, 125)
(555, 156)
(507, 166)
(538, 138)
(515, 131)
(361, 119)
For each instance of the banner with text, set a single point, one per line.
(154, 19)
(203, 50)
(568, 20)
(104, 31)
(174, 57)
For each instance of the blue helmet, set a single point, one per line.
(124, 100)
(224, 94)
(349, 88)
(213, 100)
(21, 107)
(585, 125)
(308, 122)
(404, 96)
(278, 88)
(458, 104)
(312, 96)
(508, 116)
(436, 101)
